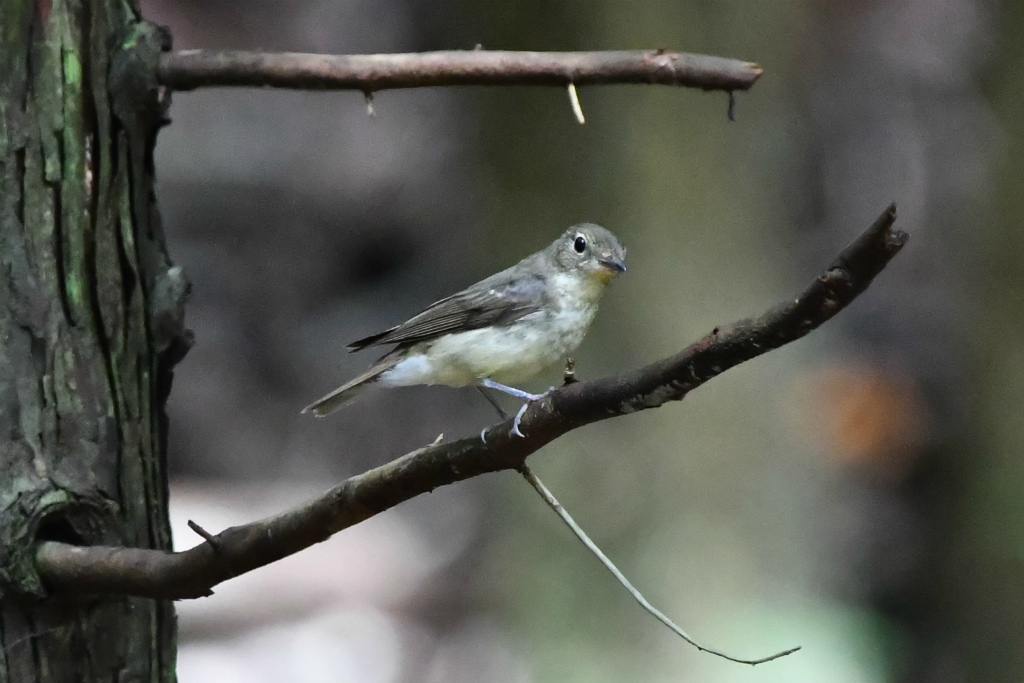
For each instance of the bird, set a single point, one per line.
(504, 329)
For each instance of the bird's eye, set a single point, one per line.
(579, 244)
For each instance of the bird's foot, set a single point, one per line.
(522, 411)
(518, 393)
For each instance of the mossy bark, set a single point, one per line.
(91, 313)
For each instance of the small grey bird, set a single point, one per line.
(506, 328)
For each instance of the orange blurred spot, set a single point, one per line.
(864, 415)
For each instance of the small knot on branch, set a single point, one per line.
(569, 374)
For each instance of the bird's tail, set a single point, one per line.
(351, 389)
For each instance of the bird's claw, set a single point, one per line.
(519, 417)
(531, 398)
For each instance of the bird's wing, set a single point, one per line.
(482, 305)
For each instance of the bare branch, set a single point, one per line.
(192, 573)
(191, 69)
(578, 532)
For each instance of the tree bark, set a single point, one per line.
(91, 324)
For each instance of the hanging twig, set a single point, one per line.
(553, 503)
(574, 102)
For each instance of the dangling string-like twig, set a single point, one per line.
(553, 503)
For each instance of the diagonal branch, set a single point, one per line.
(191, 69)
(192, 573)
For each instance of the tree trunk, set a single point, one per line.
(91, 314)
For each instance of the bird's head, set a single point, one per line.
(590, 250)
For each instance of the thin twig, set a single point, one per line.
(191, 573)
(490, 399)
(574, 102)
(553, 503)
(191, 69)
(210, 538)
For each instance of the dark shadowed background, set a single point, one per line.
(860, 492)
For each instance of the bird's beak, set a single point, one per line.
(612, 263)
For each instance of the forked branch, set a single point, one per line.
(193, 573)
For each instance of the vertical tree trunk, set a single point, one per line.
(91, 316)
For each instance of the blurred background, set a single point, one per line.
(859, 493)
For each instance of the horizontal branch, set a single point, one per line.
(237, 550)
(191, 69)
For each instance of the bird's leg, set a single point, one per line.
(518, 393)
(511, 391)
